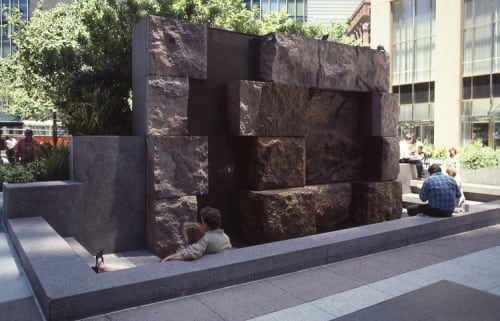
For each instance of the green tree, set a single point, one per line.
(76, 59)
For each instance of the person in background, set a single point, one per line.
(451, 171)
(452, 159)
(406, 157)
(440, 191)
(10, 149)
(28, 148)
(214, 240)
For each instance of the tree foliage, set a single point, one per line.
(76, 59)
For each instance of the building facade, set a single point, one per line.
(360, 23)
(313, 11)
(26, 7)
(445, 66)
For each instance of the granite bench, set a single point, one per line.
(66, 288)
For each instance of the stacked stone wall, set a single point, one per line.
(287, 136)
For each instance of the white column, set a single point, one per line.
(448, 73)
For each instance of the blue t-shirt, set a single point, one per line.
(441, 191)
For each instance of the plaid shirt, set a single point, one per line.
(441, 191)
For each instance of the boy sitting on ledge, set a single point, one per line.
(213, 241)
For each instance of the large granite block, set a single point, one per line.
(380, 115)
(289, 59)
(167, 47)
(177, 166)
(274, 162)
(332, 206)
(114, 198)
(163, 110)
(273, 215)
(165, 219)
(380, 158)
(295, 60)
(333, 141)
(374, 202)
(345, 67)
(265, 109)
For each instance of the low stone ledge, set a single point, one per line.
(79, 292)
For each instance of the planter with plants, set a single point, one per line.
(480, 165)
(53, 165)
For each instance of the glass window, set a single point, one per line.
(467, 106)
(482, 49)
(496, 85)
(406, 112)
(480, 107)
(421, 93)
(405, 94)
(467, 88)
(421, 112)
(468, 13)
(481, 87)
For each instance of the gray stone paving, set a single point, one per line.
(336, 290)
(327, 292)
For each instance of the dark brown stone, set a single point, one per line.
(345, 67)
(165, 219)
(167, 106)
(332, 205)
(294, 60)
(374, 202)
(333, 142)
(380, 115)
(274, 215)
(177, 166)
(381, 158)
(276, 162)
(266, 109)
(176, 48)
(289, 59)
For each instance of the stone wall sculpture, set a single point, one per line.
(287, 136)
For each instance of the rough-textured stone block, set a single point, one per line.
(374, 202)
(333, 141)
(177, 166)
(289, 59)
(332, 205)
(273, 215)
(381, 115)
(380, 158)
(167, 106)
(265, 109)
(295, 60)
(345, 67)
(165, 219)
(274, 162)
(173, 48)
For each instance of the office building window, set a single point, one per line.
(413, 41)
(6, 29)
(481, 71)
(413, 65)
(296, 9)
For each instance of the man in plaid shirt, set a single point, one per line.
(441, 192)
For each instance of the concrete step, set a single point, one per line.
(413, 198)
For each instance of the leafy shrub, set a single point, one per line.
(484, 157)
(436, 152)
(54, 165)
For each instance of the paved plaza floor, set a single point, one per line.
(451, 278)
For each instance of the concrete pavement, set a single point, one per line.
(467, 262)
(463, 268)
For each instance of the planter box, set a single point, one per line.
(485, 176)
